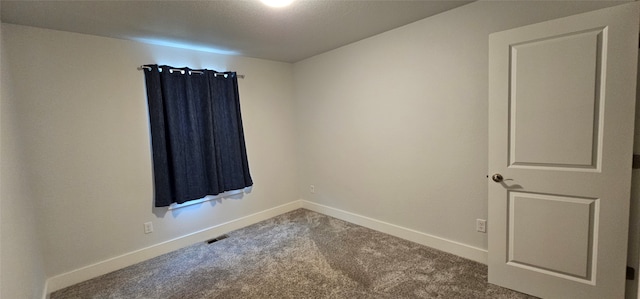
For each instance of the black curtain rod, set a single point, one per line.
(142, 67)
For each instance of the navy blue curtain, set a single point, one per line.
(197, 138)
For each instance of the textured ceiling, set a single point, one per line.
(239, 27)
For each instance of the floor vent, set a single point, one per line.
(216, 239)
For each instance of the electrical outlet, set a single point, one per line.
(481, 225)
(148, 227)
(312, 188)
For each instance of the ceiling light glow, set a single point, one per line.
(277, 3)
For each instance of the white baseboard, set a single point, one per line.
(459, 249)
(100, 268)
(45, 293)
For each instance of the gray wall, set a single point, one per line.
(22, 273)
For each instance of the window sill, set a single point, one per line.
(223, 195)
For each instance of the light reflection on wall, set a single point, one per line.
(183, 45)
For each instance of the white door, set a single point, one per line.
(561, 115)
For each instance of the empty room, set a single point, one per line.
(319, 149)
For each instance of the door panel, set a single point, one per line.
(566, 223)
(561, 115)
(552, 125)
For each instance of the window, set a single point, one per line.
(197, 138)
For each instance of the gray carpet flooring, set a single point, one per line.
(300, 254)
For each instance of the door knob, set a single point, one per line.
(497, 178)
